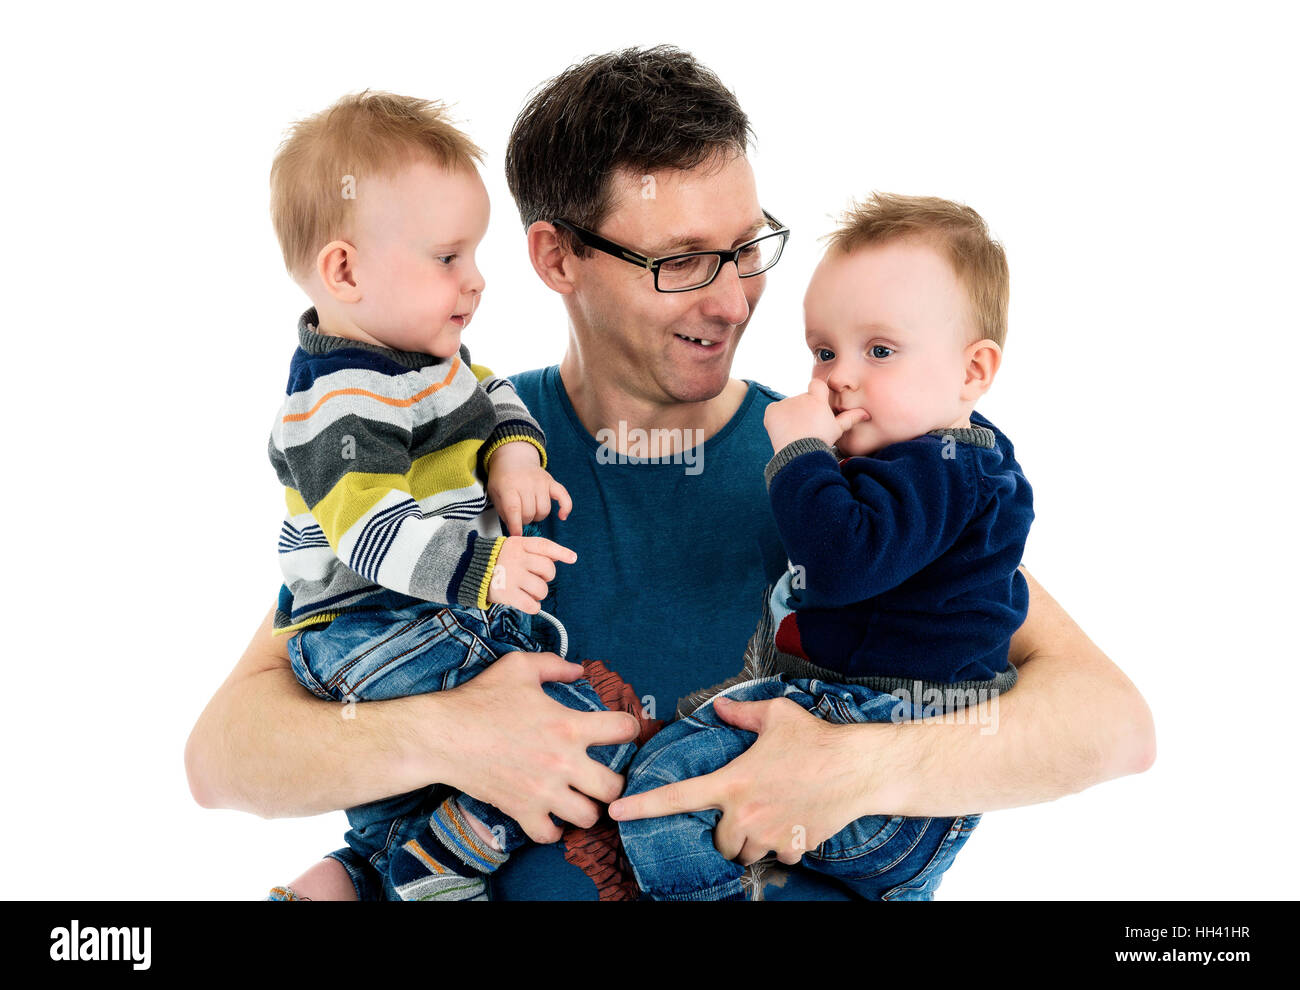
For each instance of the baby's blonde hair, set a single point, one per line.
(369, 134)
(956, 231)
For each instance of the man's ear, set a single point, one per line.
(334, 267)
(983, 358)
(550, 257)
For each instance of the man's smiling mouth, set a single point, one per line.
(702, 341)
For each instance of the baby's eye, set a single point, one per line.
(819, 351)
(881, 351)
(446, 259)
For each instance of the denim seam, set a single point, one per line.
(897, 859)
(707, 894)
(347, 668)
(725, 693)
(852, 852)
(950, 836)
(303, 670)
(489, 654)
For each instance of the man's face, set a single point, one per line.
(639, 336)
(416, 234)
(888, 326)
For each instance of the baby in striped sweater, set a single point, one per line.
(401, 459)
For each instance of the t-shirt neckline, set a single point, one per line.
(553, 382)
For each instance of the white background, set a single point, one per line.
(1137, 160)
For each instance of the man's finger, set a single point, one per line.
(607, 728)
(547, 666)
(692, 794)
(598, 781)
(748, 715)
(727, 839)
(751, 853)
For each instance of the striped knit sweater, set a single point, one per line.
(383, 456)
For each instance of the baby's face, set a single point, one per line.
(888, 326)
(415, 235)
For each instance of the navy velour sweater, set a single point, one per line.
(903, 562)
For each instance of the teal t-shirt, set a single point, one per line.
(673, 556)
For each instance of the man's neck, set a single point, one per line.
(665, 427)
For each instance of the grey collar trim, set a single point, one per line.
(314, 342)
(978, 436)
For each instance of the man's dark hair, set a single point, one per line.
(639, 109)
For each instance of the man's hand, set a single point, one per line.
(808, 415)
(523, 568)
(788, 793)
(525, 753)
(521, 489)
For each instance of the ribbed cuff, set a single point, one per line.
(478, 575)
(790, 451)
(509, 433)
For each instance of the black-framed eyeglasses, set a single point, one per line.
(694, 269)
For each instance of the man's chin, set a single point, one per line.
(699, 384)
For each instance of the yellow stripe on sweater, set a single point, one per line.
(356, 495)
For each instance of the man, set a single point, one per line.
(628, 156)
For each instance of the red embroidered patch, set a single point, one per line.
(598, 851)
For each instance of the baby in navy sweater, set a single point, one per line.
(904, 515)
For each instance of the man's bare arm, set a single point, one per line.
(265, 744)
(1072, 721)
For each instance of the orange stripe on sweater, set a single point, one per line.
(387, 400)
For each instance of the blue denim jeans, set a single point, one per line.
(406, 646)
(878, 857)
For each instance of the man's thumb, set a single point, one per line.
(550, 667)
(742, 714)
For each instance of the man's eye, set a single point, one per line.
(818, 353)
(881, 351)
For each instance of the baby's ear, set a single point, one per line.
(983, 358)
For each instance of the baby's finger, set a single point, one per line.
(542, 501)
(850, 418)
(531, 585)
(541, 565)
(540, 544)
(819, 389)
(561, 495)
(511, 513)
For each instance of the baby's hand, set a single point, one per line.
(808, 415)
(523, 567)
(520, 489)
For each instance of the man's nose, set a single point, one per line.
(726, 296)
